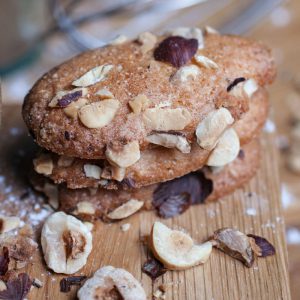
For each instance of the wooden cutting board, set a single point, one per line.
(253, 209)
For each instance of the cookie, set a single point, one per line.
(155, 165)
(118, 95)
(212, 184)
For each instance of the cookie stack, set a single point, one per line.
(158, 122)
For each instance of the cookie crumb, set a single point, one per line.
(125, 227)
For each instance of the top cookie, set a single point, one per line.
(103, 100)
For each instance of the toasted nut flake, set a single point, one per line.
(235, 244)
(66, 243)
(104, 94)
(139, 103)
(85, 207)
(148, 41)
(65, 161)
(169, 140)
(43, 164)
(212, 127)
(165, 119)
(51, 191)
(92, 171)
(125, 227)
(72, 109)
(65, 98)
(2, 286)
(119, 39)
(98, 114)
(125, 210)
(176, 249)
(187, 72)
(89, 225)
(204, 61)
(118, 173)
(8, 223)
(250, 87)
(190, 33)
(93, 76)
(210, 30)
(124, 156)
(111, 283)
(261, 246)
(244, 88)
(226, 150)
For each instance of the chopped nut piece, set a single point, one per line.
(235, 82)
(261, 246)
(104, 94)
(210, 30)
(165, 119)
(26, 230)
(170, 140)
(65, 98)
(125, 210)
(241, 87)
(153, 268)
(51, 192)
(226, 150)
(139, 103)
(98, 114)
(65, 161)
(190, 33)
(43, 164)
(210, 129)
(250, 87)
(187, 72)
(92, 171)
(93, 76)
(119, 39)
(37, 283)
(176, 50)
(124, 156)
(66, 283)
(72, 109)
(111, 283)
(148, 41)
(8, 223)
(2, 286)
(118, 173)
(66, 243)
(176, 249)
(125, 227)
(235, 244)
(85, 207)
(204, 61)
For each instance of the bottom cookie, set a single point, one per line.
(169, 198)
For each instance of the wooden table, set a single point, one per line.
(220, 278)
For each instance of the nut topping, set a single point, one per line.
(104, 94)
(66, 243)
(43, 164)
(169, 140)
(176, 50)
(176, 249)
(187, 72)
(111, 283)
(241, 87)
(210, 30)
(125, 210)
(148, 41)
(125, 155)
(65, 98)
(204, 61)
(226, 150)
(8, 223)
(119, 39)
(139, 103)
(93, 76)
(98, 114)
(51, 192)
(190, 33)
(212, 127)
(72, 109)
(166, 119)
(118, 173)
(85, 207)
(92, 171)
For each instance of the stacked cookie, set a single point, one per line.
(161, 122)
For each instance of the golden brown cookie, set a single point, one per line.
(159, 164)
(119, 94)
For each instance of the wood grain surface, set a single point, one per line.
(254, 209)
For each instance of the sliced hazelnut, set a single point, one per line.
(84, 207)
(210, 30)
(148, 41)
(65, 161)
(98, 114)
(105, 94)
(165, 119)
(190, 33)
(139, 103)
(250, 87)
(93, 76)
(8, 223)
(51, 191)
(119, 39)
(111, 283)
(66, 98)
(125, 210)
(235, 244)
(226, 150)
(169, 140)
(204, 61)
(187, 72)
(124, 156)
(72, 109)
(243, 88)
(118, 173)
(212, 127)
(66, 243)
(176, 249)
(43, 164)
(92, 171)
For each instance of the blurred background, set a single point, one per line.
(36, 35)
